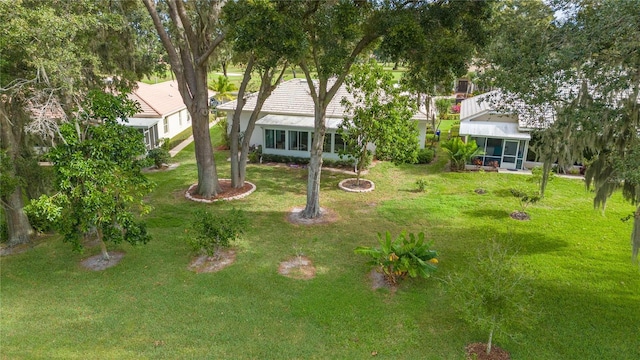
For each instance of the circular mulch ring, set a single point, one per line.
(480, 191)
(378, 281)
(227, 193)
(209, 264)
(519, 215)
(297, 267)
(479, 351)
(97, 263)
(326, 217)
(351, 185)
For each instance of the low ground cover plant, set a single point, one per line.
(405, 255)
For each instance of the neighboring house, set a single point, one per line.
(163, 114)
(286, 123)
(463, 89)
(504, 138)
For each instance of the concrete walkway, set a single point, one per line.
(173, 152)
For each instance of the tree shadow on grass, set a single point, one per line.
(488, 213)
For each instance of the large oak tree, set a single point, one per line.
(579, 76)
(190, 33)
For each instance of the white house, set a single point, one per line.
(504, 138)
(285, 124)
(163, 114)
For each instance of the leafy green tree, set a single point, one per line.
(583, 72)
(443, 106)
(492, 294)
(460, 153)
(52, 53)
(262, 34)
(379, 114)
(190, 33)
(338, 33)
(98, 179)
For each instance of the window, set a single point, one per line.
(166, 125)
(326, 147)
(338, 144)
(298, 140)
(274, 139)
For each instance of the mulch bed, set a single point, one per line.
(326, 217)
(519, 215)
(353, 184)
(378, 281)
(298, 267)
(478, 351)
(209, 264)
(227, 193)
(97, 263)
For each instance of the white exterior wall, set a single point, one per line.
(422, 133)
(178, 122)
(257, 136)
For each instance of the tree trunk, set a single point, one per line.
(103, 245)
(18, 226)
(224, 69)
(635, 235)
(208, 185)
(237, 181)
(493, 326)
(312, 208)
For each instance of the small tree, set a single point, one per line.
(98, 177)
(460, 153)
(525, 198)
(211, 233)
(380, 115)
(443, 106)
(492, 294)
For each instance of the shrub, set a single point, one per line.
(401, 257)
(210, 232)
(525, 198)
(454, 131)
(422, 184)
(254, 153)
(425, 156)
(159, 155)
(455, 108)
(460, 153)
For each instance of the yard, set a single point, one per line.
(587, 290)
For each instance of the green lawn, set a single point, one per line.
(150, 307)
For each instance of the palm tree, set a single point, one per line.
(222, 86)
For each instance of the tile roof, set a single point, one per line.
(292, 97)
(158, 100)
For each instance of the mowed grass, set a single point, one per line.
(149, 306)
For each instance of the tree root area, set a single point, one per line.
(479, 351)
(98, 263)
(519, 215)
(209, 264)
(298, 267)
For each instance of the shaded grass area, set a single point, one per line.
(150, 306)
